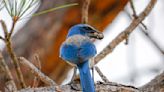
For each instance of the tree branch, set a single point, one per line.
(85, 9)
(144, 30)
(103, 77)
(135, 14)
(100, 87)
(155, 85)
(123, 35)
(38, 65)
(7, 41)
(37, 72)
(8, 76)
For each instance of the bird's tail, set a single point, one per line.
(85, 77)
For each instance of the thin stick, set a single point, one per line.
(8, 75)
(103, 77)
(13, 26)
(2, 38)
(12, 54)
(37, 72)
(36, 79)
(146, 34)
(16, 64)
(4, 28)
(85, 9)
(123, 35)
(135, 13)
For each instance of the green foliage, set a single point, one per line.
(53, 9)
(19, 9)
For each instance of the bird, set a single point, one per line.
(78, 48)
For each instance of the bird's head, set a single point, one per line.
(85, 30)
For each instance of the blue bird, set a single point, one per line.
(78, 49)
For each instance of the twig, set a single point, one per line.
(85, 9)
(103, 77)
(135, 14)
(16, 64)
(142, 30)
(37, 72)
(4, 29)
(7, 41)
(123, 35)
(2, 38)
(15, 19)
(148, 36)
(8, 76)
(36, 80)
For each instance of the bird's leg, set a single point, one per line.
(74, 74)
(73, 81)
(92, 67)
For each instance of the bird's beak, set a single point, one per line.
(96, 34)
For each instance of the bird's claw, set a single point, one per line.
(75, 86)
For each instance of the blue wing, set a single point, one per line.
(69, 53)
(87, 50)
(77, 49)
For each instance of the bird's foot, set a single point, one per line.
(75, 84)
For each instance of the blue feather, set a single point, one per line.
(85, 77)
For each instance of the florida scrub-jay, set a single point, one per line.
(78, 48)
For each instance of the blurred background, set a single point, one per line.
(133, 64)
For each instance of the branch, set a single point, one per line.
(7, 41)
(135, 14)
(12, 28)
(144, 30)
(155, 85)
(38, 65)
(2, 38)
(123, 35)
(100, 87)
(15, 62)
(37, 72)
(8, 76)
(85, 9)
(103, 77)
(4, 29)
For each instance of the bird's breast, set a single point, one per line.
(77, 40)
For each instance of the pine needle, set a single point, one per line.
(53, 9)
